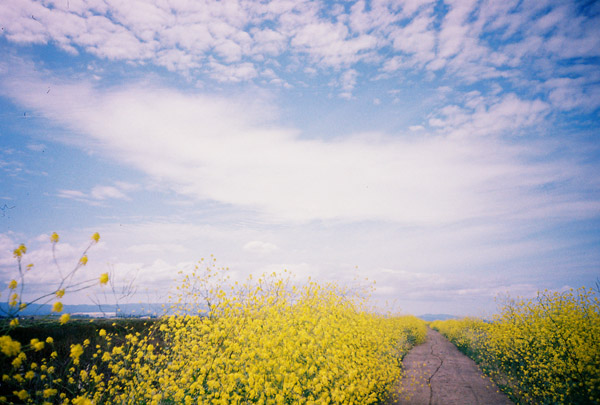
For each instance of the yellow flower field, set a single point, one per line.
(268, 341)
(542, 351)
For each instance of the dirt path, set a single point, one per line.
(437, 373)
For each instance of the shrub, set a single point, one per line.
(543, 351)
(262, 342)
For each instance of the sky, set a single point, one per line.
(447, 151)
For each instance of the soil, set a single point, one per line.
(436, 373)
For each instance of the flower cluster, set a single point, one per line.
(545, 350)
(262, 342)
(65, 283)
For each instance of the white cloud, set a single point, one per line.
(474, 42)
(154, 248)
(570, 93)
(229, 151)
(105, 192)
(417, 39)
(99, 193)
(259, 247)
(492, 115)
(232, 73)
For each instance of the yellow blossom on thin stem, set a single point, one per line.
(20, 251)
(12, 285)
(104, 278)
(64, 318)
(57, 307)
(60, 293)
(96, 237)
(83, 260)
(54, 237)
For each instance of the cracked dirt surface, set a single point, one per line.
(436, 373)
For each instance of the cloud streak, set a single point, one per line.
(227, 151)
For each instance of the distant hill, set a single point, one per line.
(127, 310)
(436, 317)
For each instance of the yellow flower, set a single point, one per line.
(14, 322)
(12, 285)
(29, 266)
(60, 293)
(49, 340)
(96, 237)
(82, 401)
(23, 395)
(13, 300)
(50, 392)
(9, 347)
(104, 278)
(83, 260)
(20, 251)
(64, 318)
(76, 352)
(57, 307)
(54, 237)
(102, 332)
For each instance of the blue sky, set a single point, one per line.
(447, 150)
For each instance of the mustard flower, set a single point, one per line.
(9, 347)
(83, 261)
(12, 285)
(64, 318)
(22, 395)
(54, 237)
(20, 251)
(50, 392)
(96, 237)
(60, 293)
(57, 307)
(82, 401)
(76, 352)
(104, 278)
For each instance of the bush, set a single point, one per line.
(263, 342)
(542, 351)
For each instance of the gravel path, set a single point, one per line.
(436, 373)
